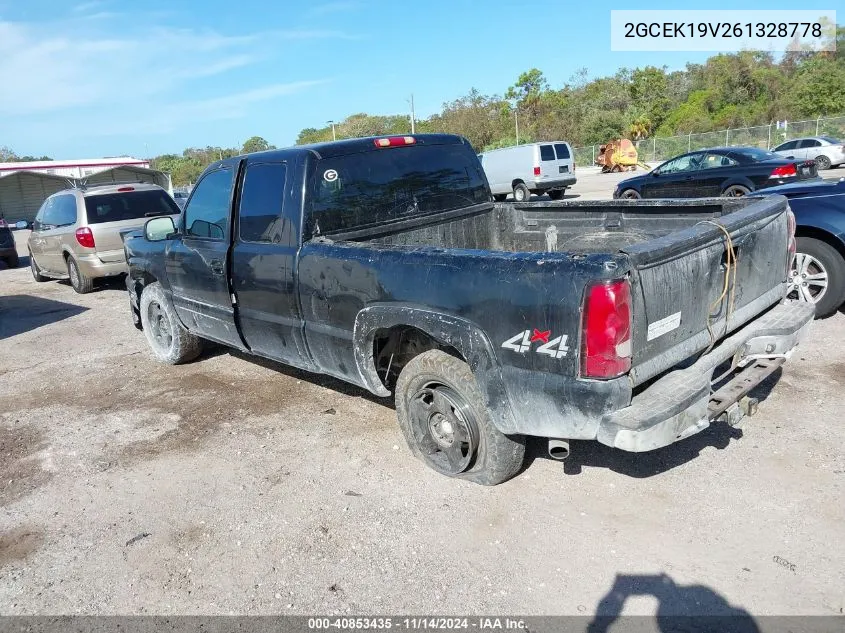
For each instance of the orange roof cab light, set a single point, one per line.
(395, 141)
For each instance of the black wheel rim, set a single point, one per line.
(160, 329)
(445, 428)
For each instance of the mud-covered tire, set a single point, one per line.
(496, 457)
(81, 283)
(170, 342)
(36, 271)
(521, 193)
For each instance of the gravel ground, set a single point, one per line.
(232, 485)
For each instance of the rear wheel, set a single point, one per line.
(81, 283)
(500, 197)
(630, 194)
(36, 272)
(444, 420)
(555, 194)
(521, 192)
(822, 162)
(171, 343)
(735, 191)
(817, 275)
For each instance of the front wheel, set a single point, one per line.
(735, 191)
(170, 341)
(36, 271)
(444, 420)
(630, 194)
(817, 275)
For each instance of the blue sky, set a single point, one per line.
(90, 78)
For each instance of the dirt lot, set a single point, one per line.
(232, 485)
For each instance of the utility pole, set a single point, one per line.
(334, 136)
(516, 118)
(413, 117)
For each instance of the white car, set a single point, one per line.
(825, 150)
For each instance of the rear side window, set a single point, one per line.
(562, 151)
(260, 214)
(366, 189)
(809, 142)
(547, 152)
(62, 211)
(129, 205)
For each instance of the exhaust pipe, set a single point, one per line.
(558, 449)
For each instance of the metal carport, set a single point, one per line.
(129, 174)
(23, 192)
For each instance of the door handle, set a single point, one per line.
(217, 267)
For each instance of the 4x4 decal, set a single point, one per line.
(556, 347)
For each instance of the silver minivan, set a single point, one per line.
(536, 168)
(78, 233)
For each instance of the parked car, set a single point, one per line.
(827, 151)
(818, 271)
(721, 171)
(385, 263)
(8, 251)
(536, 168)
(77, 233)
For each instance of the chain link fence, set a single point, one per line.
(658, 149)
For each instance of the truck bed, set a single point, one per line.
(589, 227)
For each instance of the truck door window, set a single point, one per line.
(208, 209)
(260, 215)
(547, 152)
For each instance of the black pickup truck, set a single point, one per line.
(386, 263)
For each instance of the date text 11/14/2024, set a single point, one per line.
(416, 623)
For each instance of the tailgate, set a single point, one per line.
(677, 278)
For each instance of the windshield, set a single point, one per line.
(367, 189)
(754, 155)
(129, 205)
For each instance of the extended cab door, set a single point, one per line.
(264, 259)
(196, 264)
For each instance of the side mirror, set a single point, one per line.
(159, 229)
(655, 172)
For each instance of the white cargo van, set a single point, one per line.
(533, 168)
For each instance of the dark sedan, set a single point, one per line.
(720, 171)
(818, 270)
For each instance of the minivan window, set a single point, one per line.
(260, 213)
(366, 189)
(129, 205)
(208, 209)
(562, 151)
(546, 152)
(61, 212)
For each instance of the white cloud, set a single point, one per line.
(50, 69)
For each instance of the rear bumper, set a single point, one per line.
(680, 403)
(93, 266)
(565, 180)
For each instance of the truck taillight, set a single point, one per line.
(790, 222)
(85, 237)
(536, 171)
(394, 141)
(784, 171)
(606, 330)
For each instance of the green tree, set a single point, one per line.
(7, 155)
(256, 144)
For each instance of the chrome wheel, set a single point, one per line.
(160, 328)
(735, 191)
(808, 279)
(444, 427)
